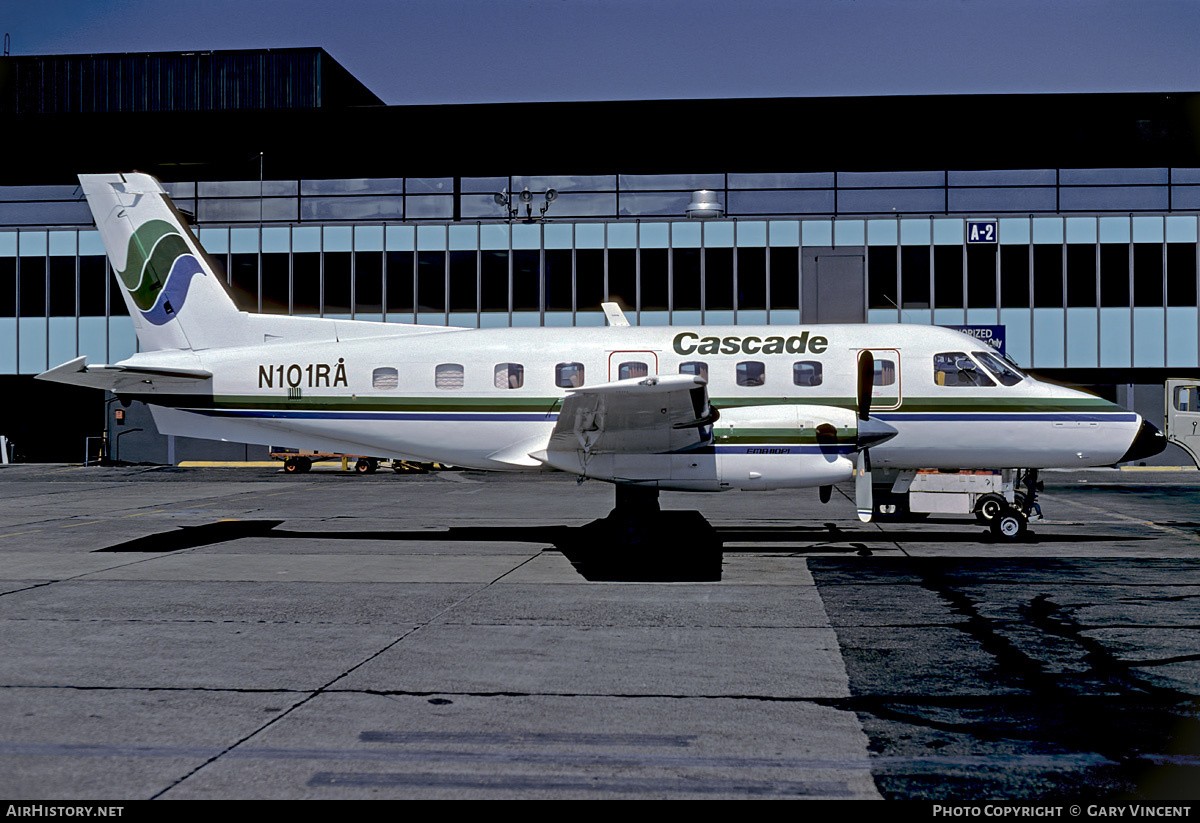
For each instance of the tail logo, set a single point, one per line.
(158, 270)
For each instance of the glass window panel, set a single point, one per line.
(1147, 229)
(1001, 200)
(622, 278)
(797, 180)
(807, 373)
(558, 280)
(464, 270)
(93, 282)
(337, 238)
(622, 235)
(275, 281)
(632, 369)
(981, 277)
(1014, 277)
(568, 375)
(882, 232)
(881, 277)
(751, 279)
(368, 238)
(948, 277)
(751, 233)
(1114, 274)
(915, 232)
(558, 236)
(686, 279)
(654, 204)
(336, 282)
(448, 376)
(509, 376)
(1081, 230)
(494, 277)
(1181, 229)
(914, 268)
(526, 237)
(382, 185)
(243, 241)
(431, 281)
(817, 233)
(368, 281)
(885, 372)
(1014, 230)
(589, 280)
(241, 188)
(785, 280)
(62, 286)
(816, 201)
(654, 235)
(1148, 274)
(1048, 230)
(565, 183)
(589, 236)
(751, 373)
(718, 279)
(685, 235)
(243, 281)
(948, 232)
(890, 201)
(399, 238)
(33, 286)
(385, 378)
(848, 233)
(1116, 338)
(659, 182)
(654, 290)
(8, 287)
(1047, 276)
(1113, 198)
(304, 239)
(1114, 229)
(1181, 274)
(32, 244)
(62, 243)
(527, 280)
(116, 300)
(784, 233)
(718, 234)
(306, 283)
(695, 367)
(276, 240)
(1094, 177)
(399, 282)
(90, 243)
(956, 369)
(1002, 177)
(1081, 274)
(432, 185)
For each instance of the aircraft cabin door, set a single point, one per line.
(886, 393)
(1183, 416)
(623, 365)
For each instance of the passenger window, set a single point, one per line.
(751, 373)
(510, 375)
(385, 378)
(1005, 372)
(448, 376)
(632, 369)
(1187, 398)
(885, 373)
(568, 375)
(806, 373)
(696, 367)
(954, 368)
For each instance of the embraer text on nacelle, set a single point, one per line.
(688, 342)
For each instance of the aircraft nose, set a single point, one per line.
(872, 432)
(1148, 442)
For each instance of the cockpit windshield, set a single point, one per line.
(1004, 370)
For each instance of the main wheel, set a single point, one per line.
(1009, 525)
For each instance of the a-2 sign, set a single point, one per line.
(981, 231)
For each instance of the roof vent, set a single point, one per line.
(704, 205)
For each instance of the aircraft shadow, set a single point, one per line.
(676, 546)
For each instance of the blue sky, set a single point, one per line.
(469, 51)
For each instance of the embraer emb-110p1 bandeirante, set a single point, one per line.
(646, 408)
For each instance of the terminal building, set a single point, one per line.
(1063, 226)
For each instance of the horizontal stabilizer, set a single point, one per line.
(124, 379)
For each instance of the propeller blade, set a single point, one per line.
(826, 492)
(863, 499)
(866, 382)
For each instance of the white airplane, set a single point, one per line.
(695, 408)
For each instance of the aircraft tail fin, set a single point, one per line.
(173, 294)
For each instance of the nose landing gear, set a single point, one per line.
(1009, 523)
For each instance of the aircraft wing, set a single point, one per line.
(649, 415)
(124, 379)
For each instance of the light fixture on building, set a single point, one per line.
(704, 205)
(504, 200)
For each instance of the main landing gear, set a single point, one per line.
(1010, 522)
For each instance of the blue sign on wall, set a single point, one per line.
(982, 231)
(992, 335)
